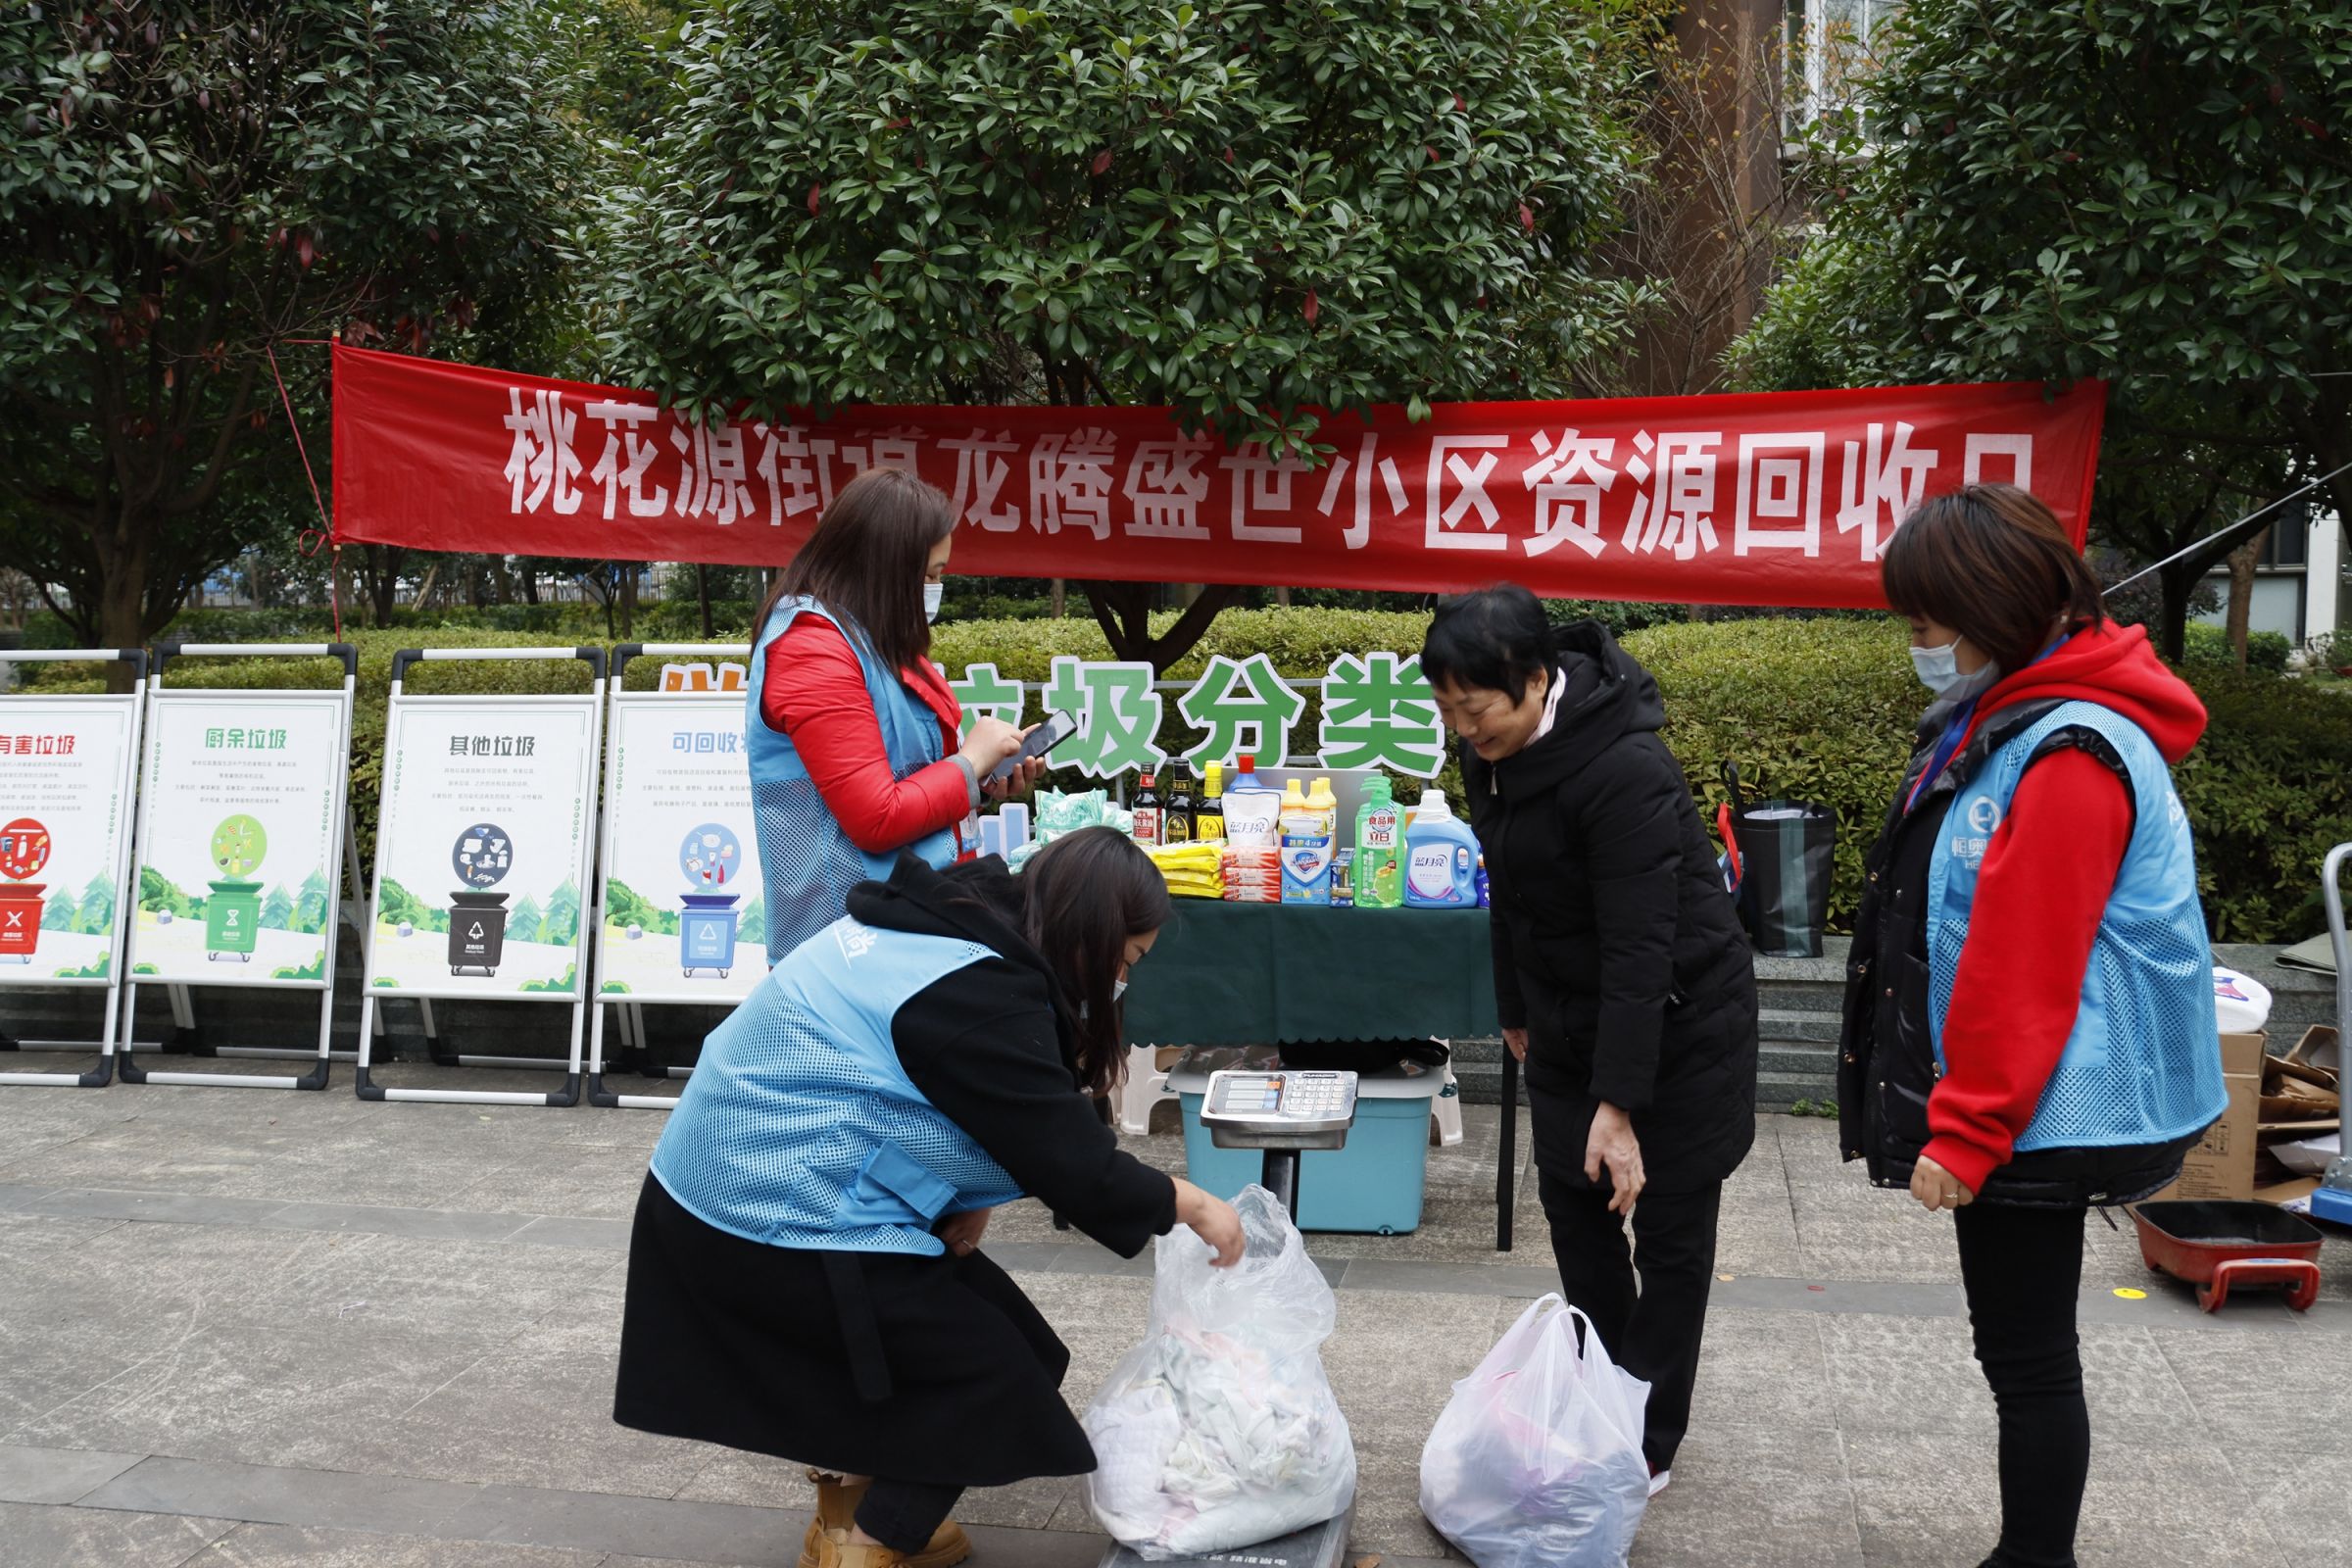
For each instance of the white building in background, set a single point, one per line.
(2302, 586)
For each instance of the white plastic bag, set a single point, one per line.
(1536, 1460)
(1220, 1429)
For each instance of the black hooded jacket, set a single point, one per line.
(989, 1046)
(1615, 945)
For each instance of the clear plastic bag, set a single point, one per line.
(1536, 1460)
(1220, 1429)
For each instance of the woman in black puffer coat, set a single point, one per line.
(1622, 976)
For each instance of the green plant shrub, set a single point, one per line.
(1819, 710)
(2205, 644)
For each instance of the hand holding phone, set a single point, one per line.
(1057, 728)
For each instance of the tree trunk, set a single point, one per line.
(2178, 581)
(424, 589)
(122, 607)
(1123, 610)
(2242, 561)
(702, 595)
(529, 579)
(1062, 598)
(1282, 599)
(629, 600)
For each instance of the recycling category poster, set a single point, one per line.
(65, 812)
(482, 847)
(684, 918)
(238, 862)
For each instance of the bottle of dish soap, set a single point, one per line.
(1441, 857)
(1379, 846)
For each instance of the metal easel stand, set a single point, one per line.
(187, 1039)
(633, 1034)
(116, 1011)
(371, 1024)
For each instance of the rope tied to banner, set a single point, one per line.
(325, 533)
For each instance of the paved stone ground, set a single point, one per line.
(242, 1327)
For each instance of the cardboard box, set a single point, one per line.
(2222, 1166)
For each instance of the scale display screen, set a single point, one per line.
(1280, 1100)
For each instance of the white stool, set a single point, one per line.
(1145, 1086)
(1445, 1109)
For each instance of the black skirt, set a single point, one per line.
(930, 1369)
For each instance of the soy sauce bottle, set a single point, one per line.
(1148, 813)
(1176, 820)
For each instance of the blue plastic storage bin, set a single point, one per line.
(1375, 1184)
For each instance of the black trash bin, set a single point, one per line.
(1784, 853)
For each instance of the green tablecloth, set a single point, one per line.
(1225, 974)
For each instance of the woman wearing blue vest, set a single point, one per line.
(851, 730)
(2029, 1017)
(804, 1273)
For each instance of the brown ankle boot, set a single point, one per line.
(833, 1550)
(837, 1509)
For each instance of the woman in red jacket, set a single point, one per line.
(2028, 1014)
(852, 730)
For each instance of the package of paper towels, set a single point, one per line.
(2242, 1004)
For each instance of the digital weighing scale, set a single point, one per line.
(1284, 1112)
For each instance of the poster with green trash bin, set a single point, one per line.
(238, 862)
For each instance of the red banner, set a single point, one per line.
(1773, 498)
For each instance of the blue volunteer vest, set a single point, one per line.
(2143, 1064)
(806, 861)
(799, 1127)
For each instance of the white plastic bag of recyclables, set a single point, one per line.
(1536, 1460)
(1220, 1429)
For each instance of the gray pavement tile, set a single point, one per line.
(37, 1537)
(409, 1283)
(1761, 1368)
(586, 1235)
(56, 1475)
(222, 1389)
(751, 1479)
(2305, 1500)
(2254, 1396)
(14, 1194)
(440, 1224)
(309, 1547)
(537, 1412)
(572, 1181)
(275, 1495)
(1921, 1375)
(1514, 1280)
(39, 1241)
(581, 1521)
(1388, 1494)
(1757, 1495)
(176, 1207)
(1932, 1498)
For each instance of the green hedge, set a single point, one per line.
(1815, 709)
(2204, 643)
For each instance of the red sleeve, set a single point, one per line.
(814, 692)
(2048, 876)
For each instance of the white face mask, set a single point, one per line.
(933, 592)
(1939, 671)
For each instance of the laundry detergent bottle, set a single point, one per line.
(1441, 857)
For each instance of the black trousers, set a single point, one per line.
(1653, 1332)
(2022, 1268)
(902, 1514)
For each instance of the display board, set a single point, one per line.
(239, 840)
(482, 847)
(65, 771)
(681, 891)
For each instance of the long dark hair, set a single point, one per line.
(1993, 563)
(1089, 894)
(866, 559)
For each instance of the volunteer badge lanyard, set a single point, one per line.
(1955, 730)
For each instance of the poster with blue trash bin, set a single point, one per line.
(682, 898)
